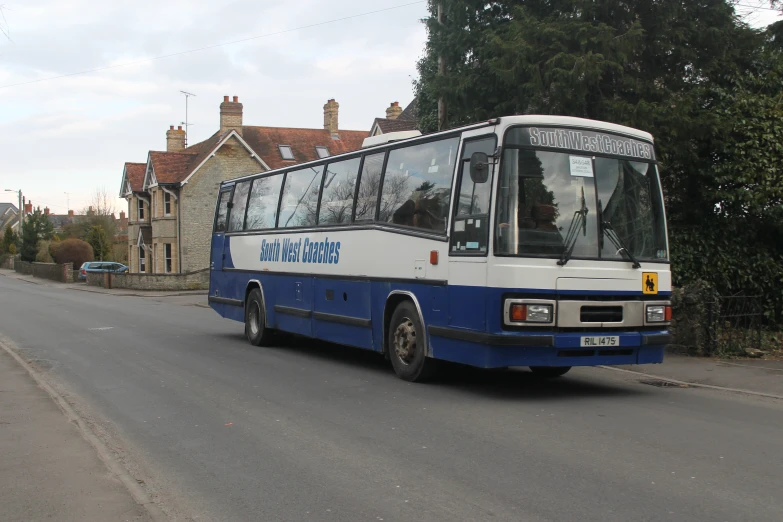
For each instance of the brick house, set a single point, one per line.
(171, 198)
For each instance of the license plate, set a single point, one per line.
(597, 342)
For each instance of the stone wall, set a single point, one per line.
(23, 267)
(160, 282)
(7, 262)
(199, 198)
(62, 273)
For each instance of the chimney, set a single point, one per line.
(330, 117)
(175, 139)
(28, 207)
(70, 213)
(393, 111)
(231, 115)
(46, 211)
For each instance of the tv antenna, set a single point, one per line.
(185, 123)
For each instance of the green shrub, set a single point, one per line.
(73, 251)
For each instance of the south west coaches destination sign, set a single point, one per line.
(580, 140)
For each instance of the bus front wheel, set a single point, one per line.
(549, 372)
(255, 320)
(407, 345)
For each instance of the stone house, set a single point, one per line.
(171, 198)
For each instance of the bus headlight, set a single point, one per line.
(659, 313)
(519, 311)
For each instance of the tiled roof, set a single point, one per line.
(135, 175)
(264, 141)
(203, 149)
(60, 220)
(175, 167)
(172, 167)
(5, 206)
(397, 125)
(409, 113)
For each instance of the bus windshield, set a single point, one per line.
(541, 191)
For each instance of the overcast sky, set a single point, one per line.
(74, 134)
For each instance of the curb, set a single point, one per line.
(695, 385)
(180, 294)
(138, 494)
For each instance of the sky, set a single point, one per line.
(73, 134)
(62, 139)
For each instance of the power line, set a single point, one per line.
(756, 7)
(213, 46)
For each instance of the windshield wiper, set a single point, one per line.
(608, 230)
(578, 221)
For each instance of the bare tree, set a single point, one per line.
(99, 212)
(4, 29)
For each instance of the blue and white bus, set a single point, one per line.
(534, 241)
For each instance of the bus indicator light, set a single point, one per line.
(434, 257)
(518, 312)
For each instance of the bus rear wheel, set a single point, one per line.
(255, 320)
(549, 372)
(407, 345)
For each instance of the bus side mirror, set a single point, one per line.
(479, 167)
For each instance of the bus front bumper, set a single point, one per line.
(545, 349)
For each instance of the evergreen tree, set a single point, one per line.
(36, 227)
(691, 73)
(9, 238)
(99, 241)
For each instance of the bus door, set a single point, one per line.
(469, 238)
(220, 227)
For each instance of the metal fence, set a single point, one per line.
(734, 324)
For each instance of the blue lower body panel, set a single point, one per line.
(351, 312)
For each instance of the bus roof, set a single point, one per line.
(505, 121)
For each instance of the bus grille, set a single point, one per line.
(601, 314)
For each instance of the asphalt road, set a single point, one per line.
(219, 430)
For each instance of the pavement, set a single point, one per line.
(749, 376)
(216, 429)
(48, 471)
(83, 287)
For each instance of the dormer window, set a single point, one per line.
(286, 152)
(322, 152)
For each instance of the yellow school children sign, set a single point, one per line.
(650, 282)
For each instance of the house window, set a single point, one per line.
(166, 204)
(142, 259)
(141, 210)
(167, 253)
(322, 152)
(154, 258)
(286, 152)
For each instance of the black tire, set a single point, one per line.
(549, 372)
(407, 345)
(255, 320)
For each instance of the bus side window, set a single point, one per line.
(338, 192)
(222, 212)
(417, 185)
(369, 183)
(471, 217)
(300, 197)
(236, 222)
(262, 206)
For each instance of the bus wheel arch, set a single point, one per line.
(403, 322)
